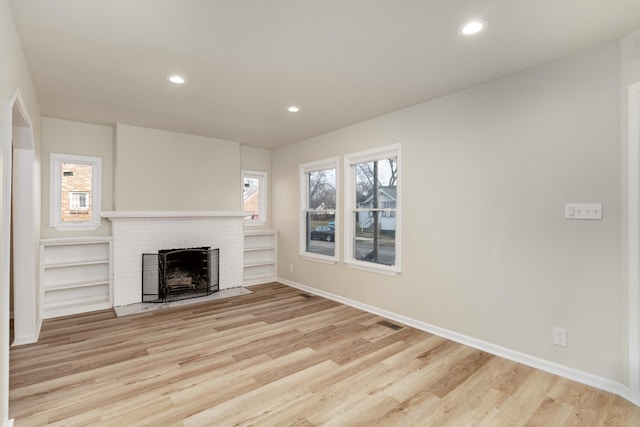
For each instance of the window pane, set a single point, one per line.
(376, 188)
(320, 231)
(251, 199)
(75, 193)
(322, 189)
(319, 194)
(375, 238)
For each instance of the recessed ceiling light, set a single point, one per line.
(176, 79)
(293, 109)
(473, 27)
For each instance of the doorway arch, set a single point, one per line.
(20, 236)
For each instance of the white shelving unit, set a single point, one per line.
(76, 275)
(260, 256)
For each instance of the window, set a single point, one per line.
(75, 192)
(373, 210)
(319, 196)
(79, 202)
(254, 197)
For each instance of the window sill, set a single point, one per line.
(250, 223)
(76, 227)
(374, 268)
(319, 258)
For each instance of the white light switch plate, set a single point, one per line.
(560, 337)
(583, 211)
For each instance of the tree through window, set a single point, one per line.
(319, 196)
(373, 178)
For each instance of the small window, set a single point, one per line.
(319, 195)
(254, 197)
(373, 182)
(75, 192)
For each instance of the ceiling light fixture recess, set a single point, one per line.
(293, 109)
(473, 27)
(176, 79)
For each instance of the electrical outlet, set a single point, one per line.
(560, 337)
(290, 268)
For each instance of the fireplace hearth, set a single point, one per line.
(177, 274)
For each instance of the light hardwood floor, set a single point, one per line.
(279, 357)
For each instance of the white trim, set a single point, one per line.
(310, 256)
(76, 240)
(304, 169)
(372, 267)
(27, 321)
(634, 237)
(171, 214)
(388, 151)
(55, 218)
(506, 353)
(258, 232)
(262, 195)
(6, 262)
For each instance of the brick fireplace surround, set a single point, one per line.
(138, 232)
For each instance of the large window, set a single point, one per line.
(254, 197)
(319, 195)
(373, 210)
(75, 192)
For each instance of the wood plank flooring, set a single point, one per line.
(278, 357)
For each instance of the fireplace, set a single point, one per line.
(138, 232)
(176, 274)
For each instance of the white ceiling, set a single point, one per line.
(341, 61)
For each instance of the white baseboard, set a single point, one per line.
(38, 327)
(29, 339)
(515, 356)
(8, 423)
(25, 339)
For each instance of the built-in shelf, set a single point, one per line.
(260, 255)
(77, 264)
(75, 275)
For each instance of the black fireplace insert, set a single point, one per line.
(176, 274)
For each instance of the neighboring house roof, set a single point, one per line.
(390, 191)
(249, 193)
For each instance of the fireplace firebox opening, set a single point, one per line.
(176, 274)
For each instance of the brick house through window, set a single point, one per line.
(75, 192)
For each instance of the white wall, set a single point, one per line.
(630, 58)
(160, 170)
(82, 139)
(487, 251)
(14, 75)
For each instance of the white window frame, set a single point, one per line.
(55, 197)
(305, 169)
(262, 196)
(350, 161)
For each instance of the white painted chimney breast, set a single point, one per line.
(138, 232)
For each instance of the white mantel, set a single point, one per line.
(171, 214)
(138, 232)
